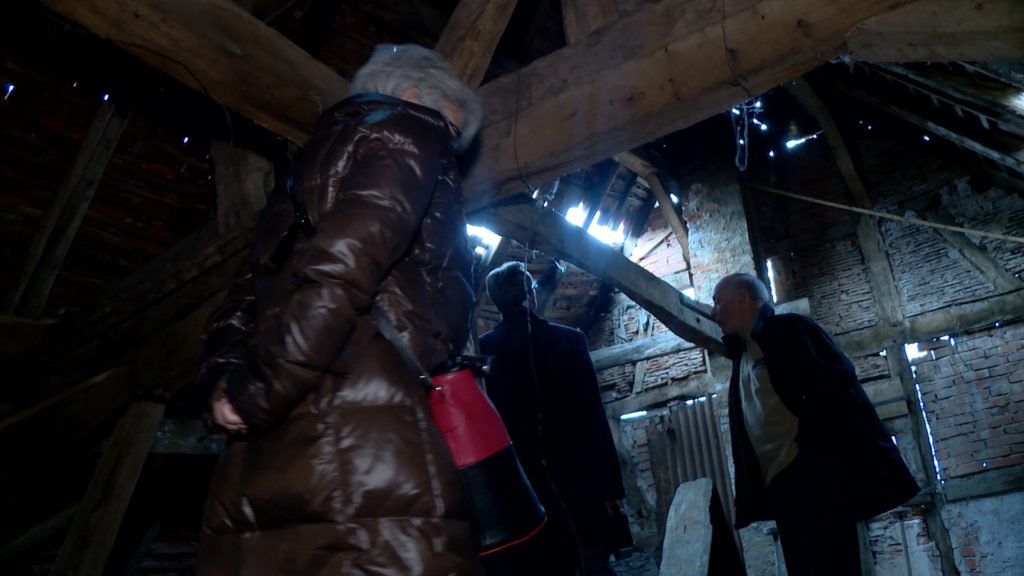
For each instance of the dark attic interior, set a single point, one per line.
(863, 158)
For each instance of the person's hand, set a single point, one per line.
(613, 507)
(224, 414)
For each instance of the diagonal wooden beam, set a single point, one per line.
(59, 227)
(883, 285)
(581, 18)
(472, 34)
(653, 177)
(980, 258)
(943, 31)
(548, 231)
(99, 515)
(219, 49)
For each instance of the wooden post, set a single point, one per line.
(472, 34)
(98, 518)
(872, 245)
(899, 366)
(51, 242)
(886, 296)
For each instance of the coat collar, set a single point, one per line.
(367, 102)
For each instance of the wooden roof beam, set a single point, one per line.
(659, 70)
(942, 31)
(549, 232)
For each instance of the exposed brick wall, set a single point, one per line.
(974, 397)
(985, 534)
(835, 280)
(991, 210)
(930, 274)
(719, 242)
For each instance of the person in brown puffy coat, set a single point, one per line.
(334, 465)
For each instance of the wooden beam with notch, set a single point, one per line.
(98, 517)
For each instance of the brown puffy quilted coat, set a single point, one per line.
(343, 472)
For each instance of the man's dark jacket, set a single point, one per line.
(577, 445)
(842, 442)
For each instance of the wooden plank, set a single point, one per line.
(99, 515)
(472, 34)
(961, 317)
(548, 231)
(985, 484)
(928, 325)
(219, 49)
(942, 31)
(637, 350)
(692, 387)
(51, 243)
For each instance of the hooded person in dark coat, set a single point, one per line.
(809, 449)
(544, 386)
(336, 466)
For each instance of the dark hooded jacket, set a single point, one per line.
(544, 386)
(343, 471)
(840, 438)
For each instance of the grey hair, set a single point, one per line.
(509, 285)
(750, 284)
(394, 68)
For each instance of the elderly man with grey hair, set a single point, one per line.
(809, 449)
(334, 465)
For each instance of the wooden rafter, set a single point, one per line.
(59, 227)
(548, 231)
(883, 287)
(98, 517)
(1010, 153)
(980, 258)
(220, 49)
(654, 177)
